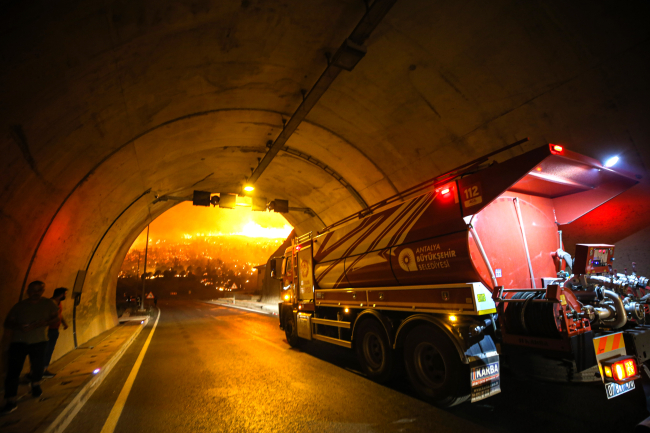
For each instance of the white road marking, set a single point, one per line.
(118, 407)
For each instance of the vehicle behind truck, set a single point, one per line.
(471, 268)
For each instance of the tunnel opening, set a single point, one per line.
(202, 253)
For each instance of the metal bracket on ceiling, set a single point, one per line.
(345, 58)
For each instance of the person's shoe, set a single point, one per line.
(48, 374)
(9, 407)
(36, 390)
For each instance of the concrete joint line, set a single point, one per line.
(62, 421)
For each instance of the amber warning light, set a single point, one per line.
(620, 370)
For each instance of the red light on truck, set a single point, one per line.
(623, 369)
(444, 191)
(557, 148)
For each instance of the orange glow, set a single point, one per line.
(185, 221)
(620, 374)
(630, 367)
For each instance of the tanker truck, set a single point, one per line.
(453, 276)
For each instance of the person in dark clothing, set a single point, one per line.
(28, 320)
(53, 331)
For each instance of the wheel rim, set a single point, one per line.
(373, 350)
(429, 365)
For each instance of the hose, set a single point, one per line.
(621, 316)
(563, 255)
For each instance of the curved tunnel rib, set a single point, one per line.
(90, 260)
(329, 171)
(115, 152)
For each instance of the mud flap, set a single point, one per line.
(485, 369)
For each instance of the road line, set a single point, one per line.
(116, 412)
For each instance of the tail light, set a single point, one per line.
(556, 148)
(620, 370)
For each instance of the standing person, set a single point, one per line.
(53, 331)
(29, 320)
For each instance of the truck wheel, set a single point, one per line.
(373, 351)
(290, 329)
(434, 367)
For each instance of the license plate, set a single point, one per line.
(614, 389)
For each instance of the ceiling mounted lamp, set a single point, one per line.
(611, 162)
(249, 188)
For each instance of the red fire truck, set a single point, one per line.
(470, 270)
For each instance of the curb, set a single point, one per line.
(266, 313)
(74, 404)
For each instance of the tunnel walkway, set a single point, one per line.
(78, 373)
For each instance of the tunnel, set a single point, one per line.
(113, 111)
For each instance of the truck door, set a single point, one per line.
(304, 273)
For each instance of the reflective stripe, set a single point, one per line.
(601, 345)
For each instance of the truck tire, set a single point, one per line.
(290, 329)
(373, 351)
(434, 367)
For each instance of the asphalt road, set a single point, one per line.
(217, 369)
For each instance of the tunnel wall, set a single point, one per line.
(104, 101)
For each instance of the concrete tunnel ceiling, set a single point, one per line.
(108, 105)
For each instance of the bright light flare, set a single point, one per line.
(557, 148)
(620, 374)
(95, 371)
(453, 318)
(254, 230)
(249, 188)
(444, 191)
(611, 161)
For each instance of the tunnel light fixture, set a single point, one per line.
(347, 310)
(611, 162)
(453, 318)
(244, 201)
(249, 188)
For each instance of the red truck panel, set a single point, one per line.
(425, 240)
